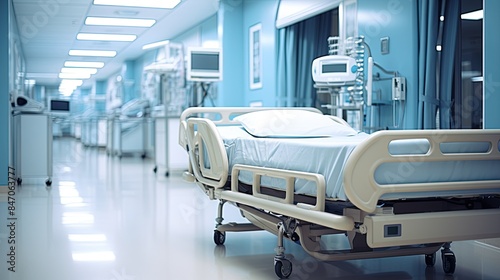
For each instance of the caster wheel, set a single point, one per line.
(19, 181)
(143, 156)
(295, 237)
(430, 259)
(283, 268)
(219, 237)
(167, 174)
(48, 183)
(449, 262)
(155, 169)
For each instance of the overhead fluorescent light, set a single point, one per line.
(163, 4)
(84, 64)
(131, 22)
(92, 53)
(65, 92)
(474, 15)
(155, 45)
(41, 75)
(91, 71)
(74, 75)
(106, 37)
(71, 82)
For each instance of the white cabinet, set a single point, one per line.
(32, 146)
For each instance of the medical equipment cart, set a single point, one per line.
(32, 133)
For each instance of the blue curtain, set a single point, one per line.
(434, 93)
(451, 65)
(428, 27)
(298, 45)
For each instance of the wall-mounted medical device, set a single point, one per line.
(25, 104)
(334, 70)
(398, 88)
(204, 64)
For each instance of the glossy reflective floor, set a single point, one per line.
(111, 219)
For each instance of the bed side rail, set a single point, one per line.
(225, 115)
(207, 155)
(362, 189)
(285, 206)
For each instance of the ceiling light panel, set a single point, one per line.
(155, 45)
(92, 53)
(106, 37)
(162, 4)
(130, 22)
(74, 75)
(79, 70)
(72, 83)
(90, 64)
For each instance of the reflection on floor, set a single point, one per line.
(106, 218)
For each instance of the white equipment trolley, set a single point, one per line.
(32, 146)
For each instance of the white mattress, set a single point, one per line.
(328, 155)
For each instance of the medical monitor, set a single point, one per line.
(59, 106)
(204, 64)
(334, 69)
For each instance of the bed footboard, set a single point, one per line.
(364, 191)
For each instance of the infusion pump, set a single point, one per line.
(334, 70)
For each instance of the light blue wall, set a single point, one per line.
(4, 92)
(396, 20)
(235, 19)
(491, 66)
(231, 89)
(263, 12)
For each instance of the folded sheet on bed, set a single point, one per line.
(328, 155)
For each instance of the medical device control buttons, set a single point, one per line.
(354, 69)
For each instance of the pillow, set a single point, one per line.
(294, 123)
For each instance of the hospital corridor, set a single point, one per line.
(249, 139)
(105, 218)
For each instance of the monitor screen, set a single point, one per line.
(59, 105)
(204, 64)
(205, 61)
(335, 68)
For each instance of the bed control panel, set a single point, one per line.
(432, 227)
(392, 230)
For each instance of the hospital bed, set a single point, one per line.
(390, 193)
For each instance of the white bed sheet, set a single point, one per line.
(328, 155)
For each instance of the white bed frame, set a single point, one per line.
(372, 231)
